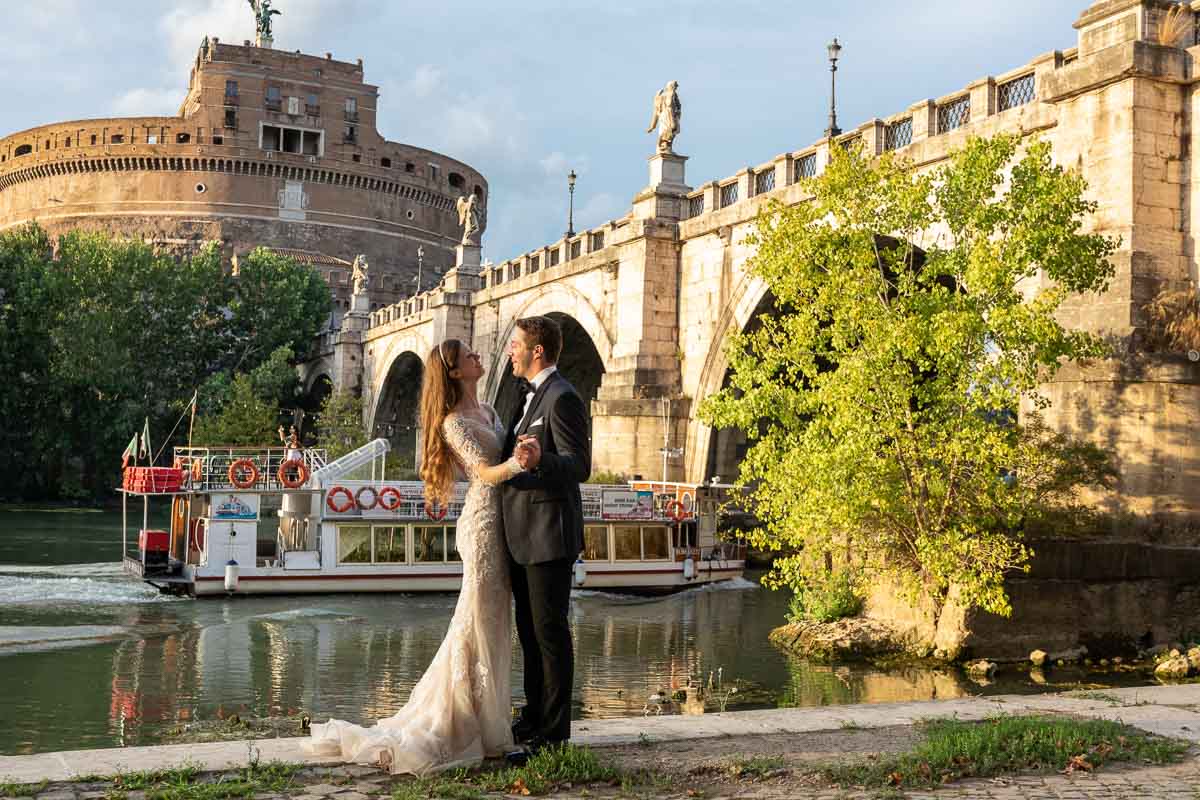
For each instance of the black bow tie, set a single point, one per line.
(524, 387)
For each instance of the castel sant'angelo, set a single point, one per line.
(269, 148)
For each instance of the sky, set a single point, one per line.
(527, 90)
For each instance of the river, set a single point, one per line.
(90, 658)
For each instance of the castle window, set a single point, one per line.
(23, 150)
(68, 141)
(231, 118)
(47, 144)
(182, 138)
(410, 168)
(312, 105)
(434, 169)
(117, 138)
(274, 98)
(151, 138)
(231, 89)
(350, 134)
(386, 163)
(217, 137)
(93, 140)
(479, 191)
(352, 109)
(357, 158)
(456, 180)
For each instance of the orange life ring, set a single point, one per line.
(676, 511)
(245, 468)
(333, 506)
(393, 492)
(197, 469)
(374, 498)
(439, 513)
(301, 470)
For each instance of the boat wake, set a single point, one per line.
(27, 638)
(731, 585)
(101, 569)
(46, 588)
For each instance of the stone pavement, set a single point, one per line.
(662, 744)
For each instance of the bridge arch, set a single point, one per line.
(751, 298)
(393, 410)
(317, 386)
(587, 346)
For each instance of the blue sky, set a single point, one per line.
(524, 91)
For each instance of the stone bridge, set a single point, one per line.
(648, 300)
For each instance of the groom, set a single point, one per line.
(543, 524)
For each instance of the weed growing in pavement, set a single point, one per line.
(8, 789)
(756, 767)
(955, 749)
(552, 768)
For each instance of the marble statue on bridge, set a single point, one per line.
(362, 281)
(470, 217)
(667, 113)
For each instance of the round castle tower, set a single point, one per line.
(269, 149)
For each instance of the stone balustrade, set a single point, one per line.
(961, 110)
(552, 256)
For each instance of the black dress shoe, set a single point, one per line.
(522, 731)
(518, 758)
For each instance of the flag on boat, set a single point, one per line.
(130, 452)
(144, 447)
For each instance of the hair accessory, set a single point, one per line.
(442, 353)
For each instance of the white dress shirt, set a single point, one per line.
(537, 382)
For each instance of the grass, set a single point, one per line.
(8, 789)
(954, 749)
(553, 768)
(187, 782)
(757, 767)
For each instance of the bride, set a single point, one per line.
(459, 711)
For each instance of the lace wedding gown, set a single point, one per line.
(459, 711)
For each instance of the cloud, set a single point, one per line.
(148, 102)
(424, 81)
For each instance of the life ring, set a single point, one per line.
(197, 469)
(390, 492)
(246, 468)
(179, 518)
(301, 470)
(436, 512)
(676, 511)
(374, 498)
(185, 476)
(333, 506)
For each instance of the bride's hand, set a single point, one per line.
(529, 452)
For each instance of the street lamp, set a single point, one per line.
(420, 264)
(834, 50)
(571, 206)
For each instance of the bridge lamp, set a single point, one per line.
(571, 204)
(834, 49)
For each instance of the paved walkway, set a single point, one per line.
(1165, 710)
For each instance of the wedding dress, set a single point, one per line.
(459, 712)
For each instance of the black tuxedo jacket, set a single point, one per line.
(542, 509)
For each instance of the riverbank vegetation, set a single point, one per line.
(881, 396)
(96, 334)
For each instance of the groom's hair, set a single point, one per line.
(543, 331)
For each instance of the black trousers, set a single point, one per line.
(542, 595)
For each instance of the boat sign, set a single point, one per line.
(625, 504)
(232, 506)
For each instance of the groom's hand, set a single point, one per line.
(529, 453)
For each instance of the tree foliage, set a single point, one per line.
(98, 333)
(917, 315)
(340, 424)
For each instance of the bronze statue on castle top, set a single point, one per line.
(262, 17)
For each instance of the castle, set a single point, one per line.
(269, 148)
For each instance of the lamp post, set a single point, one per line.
(571, 204)
(420, 265)
(834, 50)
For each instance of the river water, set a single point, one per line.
(90, 658)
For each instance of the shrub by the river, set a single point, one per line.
(826, 598)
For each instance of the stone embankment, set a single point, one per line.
(748, 754)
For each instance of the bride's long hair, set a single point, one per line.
(439, 395)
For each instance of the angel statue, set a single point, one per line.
(262, 16)
(667, 113)
(470, 218)
(358, 274)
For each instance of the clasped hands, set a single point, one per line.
(528, 452)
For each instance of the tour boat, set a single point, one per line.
(283, 521)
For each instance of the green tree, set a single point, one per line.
(340, 424)
(273, 303)
(881, 401)
(246, 419)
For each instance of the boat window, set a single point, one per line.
(427, 543)
(354, 544)
(595, 543)
(627, 542)
(389, 545)
(452, 544)
(655, 543)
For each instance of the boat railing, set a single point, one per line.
(207, 469)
